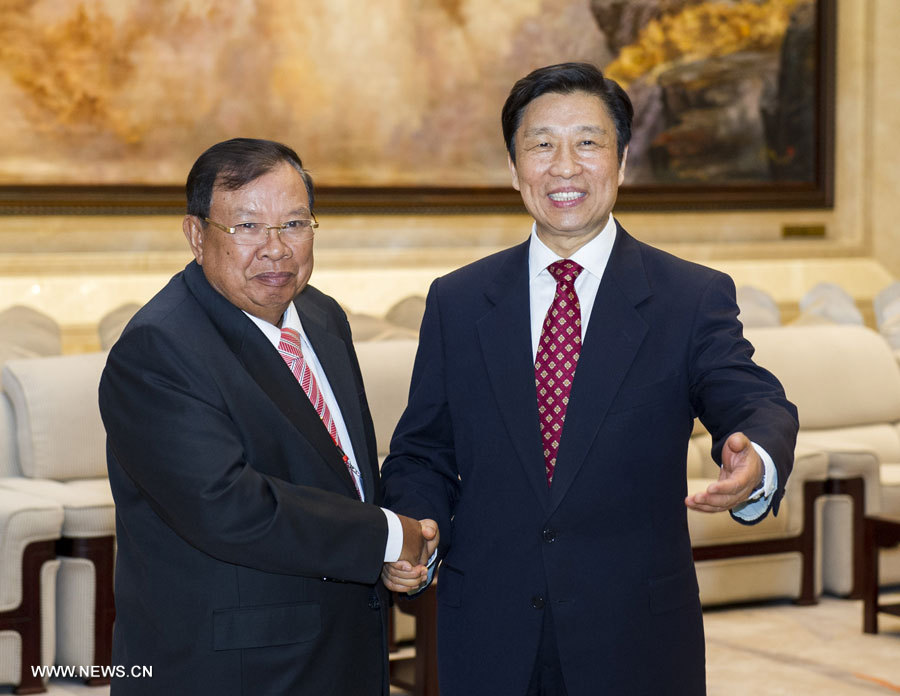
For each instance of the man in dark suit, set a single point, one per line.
(560, 493)
(242, 459)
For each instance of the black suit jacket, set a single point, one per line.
(246, 563)
(606, 549)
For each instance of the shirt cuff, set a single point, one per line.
(395, 537)
(432, 566)
(758, 503)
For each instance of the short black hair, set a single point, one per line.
(565, 78)
(234, 163)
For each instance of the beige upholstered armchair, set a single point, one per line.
(29, 528)
(779, 557)
(60, 444)
(845, 382)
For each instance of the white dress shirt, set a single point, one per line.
(291, 320)
(593, 258)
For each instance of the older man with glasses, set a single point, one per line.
(242, 459)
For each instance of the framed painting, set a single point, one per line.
(394, 106)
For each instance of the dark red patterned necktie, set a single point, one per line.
(289, 347)
(557, 358)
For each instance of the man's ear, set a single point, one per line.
(513, 172)
(193, 232)
(622, 165)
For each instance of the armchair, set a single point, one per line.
(62, 458)
(29, 527)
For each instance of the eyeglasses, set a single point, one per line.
(256, 233)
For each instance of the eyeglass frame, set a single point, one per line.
(232, 230)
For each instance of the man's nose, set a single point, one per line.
(274, 246)
(565, 162)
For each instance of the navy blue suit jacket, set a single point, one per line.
(233, 506)
(606, 549)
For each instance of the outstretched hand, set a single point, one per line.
(741, 472)
(410, 571)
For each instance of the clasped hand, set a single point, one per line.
(740, 474)
(410, 571)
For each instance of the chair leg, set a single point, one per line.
(424, 609)
(100, 551)
(26, 618)
(856, 489)
(811, 492)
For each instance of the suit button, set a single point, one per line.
(374, 603)
(537, 602)
(549, 535)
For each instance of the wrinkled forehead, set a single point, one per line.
(578, 112)
(282, 188)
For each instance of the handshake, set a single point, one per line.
(410, 571)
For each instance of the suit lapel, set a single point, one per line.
(266, 367)
(614, 335)
(335, 360)
(505, 336)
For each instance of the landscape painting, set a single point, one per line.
(395, 104)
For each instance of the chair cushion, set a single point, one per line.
(365, 327)
(58, 428)
(882, 440)
(27, 333)
(890, 489)
(9, 464)
(694, 461)
(386, 368)
(87, 503)
(110, 327)
(837, 375)
(408, 312)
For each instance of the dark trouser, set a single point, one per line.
(547, 677)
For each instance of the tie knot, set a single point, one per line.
(291, 338)
(565, 270)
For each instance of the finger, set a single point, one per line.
(734, 485)
(707, 508)
(723, 502)
(404, 577)
(429, 529)
(737, 442)
(412, 572)
(718, 501)
(402, 585)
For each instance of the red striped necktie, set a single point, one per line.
(557, 358)
(289, 347)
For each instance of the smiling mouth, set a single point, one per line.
(566, 196)
(274, 278)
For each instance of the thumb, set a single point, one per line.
(429, 529)
(735, 444)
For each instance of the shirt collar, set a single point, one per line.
(592, 257)
(289, 320)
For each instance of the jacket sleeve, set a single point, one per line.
(729, 392)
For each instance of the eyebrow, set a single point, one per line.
(544, 130)
(250, 212)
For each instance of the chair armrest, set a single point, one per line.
(24, 519)
(848, 460)
(88, 506)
